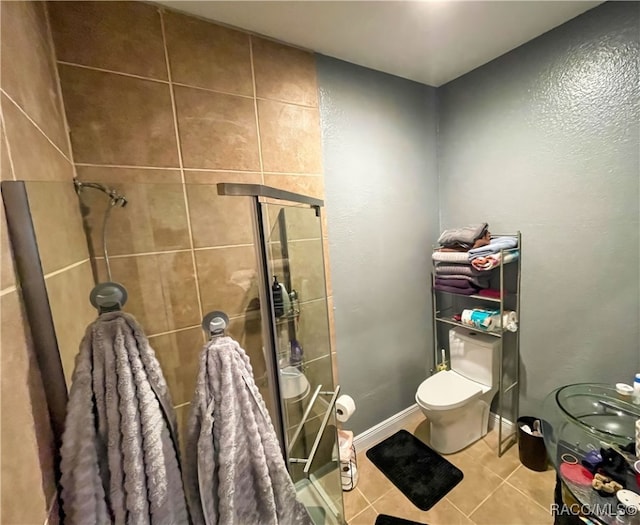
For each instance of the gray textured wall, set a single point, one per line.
(379, 139)
(545, 139)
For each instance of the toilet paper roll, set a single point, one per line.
(345, 407)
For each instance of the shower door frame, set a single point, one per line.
(260, 195)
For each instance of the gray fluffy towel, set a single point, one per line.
(235, 473)
(465, 236)
(120, 459)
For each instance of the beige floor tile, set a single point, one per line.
(394, 503)
(366, 517)
(507, 506)
(372, 482)
(537, 485)
(487, 455)
(415, 422)
(354, 503)
(477, 484)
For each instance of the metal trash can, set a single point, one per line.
(531, 449)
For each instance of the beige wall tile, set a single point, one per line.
(307, 269)
(178, 353)
(228, 279)
(162, 290)
(207, 55)
(309, 185)
(22, 457)
(318, 372)
(284, 72)
(507, 506)
(247, 330)
(290, 138)
(125, 36)
(219, 220)
(327, 265)
(57, 222)
(301, 222)
(28, 70)
(72, 312)
(154, 219)
(217, 131)
(6, 172)
(7, 275)
(313, 329)
(116, 119)
(332, 323)
(334, 368)
(34, 157)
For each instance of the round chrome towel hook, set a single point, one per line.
(108, 297)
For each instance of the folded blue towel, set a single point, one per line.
(497, 244)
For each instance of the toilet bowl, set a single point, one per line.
(456, 402)
(457, 409)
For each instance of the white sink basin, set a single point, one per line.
(293, 384)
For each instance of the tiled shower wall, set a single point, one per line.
(35, 147)
(163, 106)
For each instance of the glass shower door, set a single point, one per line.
(295, 268)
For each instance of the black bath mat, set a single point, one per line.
(422, 474)
(384, 519)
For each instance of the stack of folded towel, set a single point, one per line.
(454, 272)
(487, 257)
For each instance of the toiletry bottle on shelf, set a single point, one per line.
(278, 303)
(296, 354)
(636, 390)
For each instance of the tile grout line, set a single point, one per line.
(454, 506)
(177, 168)
(521, 492)
(65, 122)
(180, 250)
(502, 482)
(255, 107)
(66, 268)
(181, 84)
(7, 291)
(111, 71)
(180, 161)
(33, 122)
(141, 254)
(174, 331)
(6, 143)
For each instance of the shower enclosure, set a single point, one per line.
(182, 249)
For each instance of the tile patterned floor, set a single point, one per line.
(494, 491)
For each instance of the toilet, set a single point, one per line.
(456, 402)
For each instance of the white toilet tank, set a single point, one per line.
(474, 355)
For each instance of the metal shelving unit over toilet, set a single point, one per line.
(508, 352)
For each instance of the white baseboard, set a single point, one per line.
(390, 426)
(384, 429)
(507, 426)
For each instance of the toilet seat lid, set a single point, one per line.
(446, 390)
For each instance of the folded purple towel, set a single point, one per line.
(480, 281)
(453, 282)
(469, 290)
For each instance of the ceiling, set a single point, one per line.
(431, 42)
